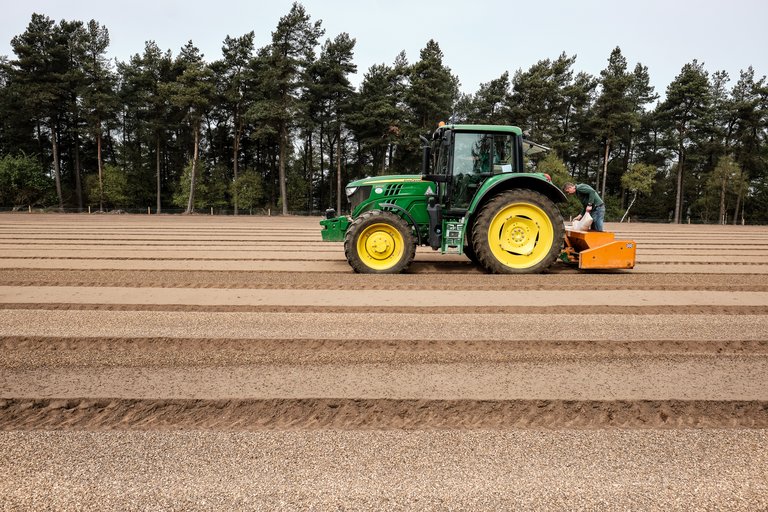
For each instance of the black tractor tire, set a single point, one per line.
(469, 248)
(518, 232)
(379, 242)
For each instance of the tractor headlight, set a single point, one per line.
(356, 195)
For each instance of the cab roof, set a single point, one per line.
(484, 128)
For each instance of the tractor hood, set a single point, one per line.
(382, 180)
(370, 193)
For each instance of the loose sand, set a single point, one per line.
(198, 363)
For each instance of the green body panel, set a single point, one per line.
(406, 191)
(334, 229)
(532, 181)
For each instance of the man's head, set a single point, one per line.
(569, 188)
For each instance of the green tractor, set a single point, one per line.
(473, 197)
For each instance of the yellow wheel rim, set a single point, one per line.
(520, 235)
(380, 246)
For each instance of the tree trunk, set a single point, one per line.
(722, 201)
(679, 193)
(321, 185)
(235, 157)
(111, 148)
(738, 205)
(191, 202)
(157, 173)
(78, 183)
(605, 166)
(209, 134)
(625, 166)
(338, 170)
(311, 157)
(56, 168)
(281, 170)
(101, 170)
(628, 207)
(331, 156)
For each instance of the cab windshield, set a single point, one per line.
(476, 156)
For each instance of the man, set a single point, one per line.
(591, 202)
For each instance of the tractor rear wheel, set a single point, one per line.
(469, 248)
(518, 231)
(379, 242)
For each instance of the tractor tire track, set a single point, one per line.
(424, 310)
(105, 414)
(348, 281)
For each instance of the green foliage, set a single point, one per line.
(217, 187)
(540, 99)
(639, 178)
(683, 117)
(552, 164)
(378, 115)
(433, 89)
(613, 210)
(23, 182)
(181, 192)
(115, 188)
(249, 189)
(725, 184)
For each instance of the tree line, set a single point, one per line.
(281, 127)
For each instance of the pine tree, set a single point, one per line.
(681, 114)
(750, 138)
(377, 117)
(538, 102)
(192, 93)
(613, 109)
(145, 96)
(429, 98)
(332, 89)
(39, 68)
(291, 52)
(98, 92)
(488, 104)
(234, 84)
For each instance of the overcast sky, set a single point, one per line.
(480, 38)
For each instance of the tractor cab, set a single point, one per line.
(461, 157)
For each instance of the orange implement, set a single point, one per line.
(598, 250)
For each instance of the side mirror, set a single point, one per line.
(425, 157)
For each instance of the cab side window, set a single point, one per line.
(502, 153)
(471, 160)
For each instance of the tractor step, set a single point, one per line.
(598, 250)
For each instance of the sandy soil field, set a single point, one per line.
(210, 363)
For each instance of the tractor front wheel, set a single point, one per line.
(518, 231)
(379, 242)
